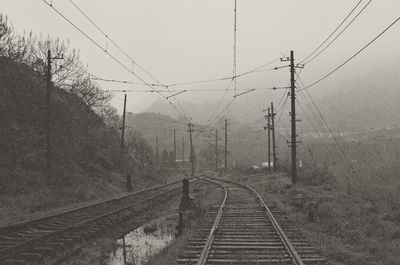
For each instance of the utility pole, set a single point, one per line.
(269, 137)
(128, 178)
(273, 136)
(216, 150)
(226, 145)
(191, 148)
(293, 114)
(183, 151)
(48, 113)
(293, 118)
(175, 148)
(157, 153)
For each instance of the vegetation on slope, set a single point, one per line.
(85, 138)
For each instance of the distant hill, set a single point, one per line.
(357, 106)
(152, 125)
(365, 102)
(365, 105)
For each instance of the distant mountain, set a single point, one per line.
(368, 102)
(363, 105)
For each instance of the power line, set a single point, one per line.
(336, 142)
(234, 46)
(97, 78)
(154, 128)
(223, 110)
(120, 81)
(282, 109)
(113, 57)
(340, 33)
(220, 102)
(112, 41)
(352, 57)
(192, 90)
(256, 69)
(308, 117)
(283, 96)
(333, 32)
(199, 81)
(122, 51)
(94, 42)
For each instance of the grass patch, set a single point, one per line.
(347, 228)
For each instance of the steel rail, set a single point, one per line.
(12, 250)
(40, 219)
(289, 246)
(284, 239)
(204, 254)
(15, 249)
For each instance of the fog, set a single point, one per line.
(182, 40)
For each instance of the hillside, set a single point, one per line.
(85, 151)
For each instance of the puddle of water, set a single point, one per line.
(136, 247)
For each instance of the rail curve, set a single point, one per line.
(245, 231)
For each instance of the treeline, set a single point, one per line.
(69, 74)
(85, 129)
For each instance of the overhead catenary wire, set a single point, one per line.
(126, 54)
(114, 58)
(285, 93)
(113, 42)
(332, 33)
(340, 33)
(97, 78)
(352, 57)
(219, 102)
(317, 132)
(282, 110)
(335, 141)
(256, 69)
(234, 46)
(245, 90)
(223, 110)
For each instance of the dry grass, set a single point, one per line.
(348, 229)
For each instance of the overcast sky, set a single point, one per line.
(186, 40)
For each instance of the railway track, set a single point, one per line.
(245, 231)
(48, 239)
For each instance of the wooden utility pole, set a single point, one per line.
(123, 130)
(157, 153)
(175, 148)
(216, 150)
(183, 151)
(269, 137)
(191, 148)
(48, 113)
(293, 120)
(273, 136)
(191, 158)
(128, 178)
(226, 146)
